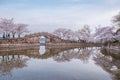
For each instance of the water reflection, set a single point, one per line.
(42, 50)
(11, 62)
(78, 53)
(109, 61)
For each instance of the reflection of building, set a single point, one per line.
(110, 62)
(42, 50)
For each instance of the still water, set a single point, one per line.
(90, 63)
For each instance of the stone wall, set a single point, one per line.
(13, 41)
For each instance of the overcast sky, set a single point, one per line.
(48, 15)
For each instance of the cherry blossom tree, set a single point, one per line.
(69, 34)
(20, 29)
(64, 33)
(5, 25)
(84, 34)
(79, 35)
(8, 27)
(104, 34)
(59, 32)
(13, 30)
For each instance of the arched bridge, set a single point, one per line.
(34, 38)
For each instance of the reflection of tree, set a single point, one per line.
(50, 52)
(8, 63)
(10, 60)
(110, 62)
(78, 53)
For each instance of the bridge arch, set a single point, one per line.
(42, 40)
(35, 38)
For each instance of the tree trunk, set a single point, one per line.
(108, 45)
(18, 35)
(3, 35)
(13, 35)
(6, 36)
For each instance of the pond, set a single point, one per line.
(87, 63)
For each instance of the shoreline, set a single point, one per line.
(8, 47)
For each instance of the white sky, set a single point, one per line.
(48, 15)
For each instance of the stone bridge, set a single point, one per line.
(34, 38)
